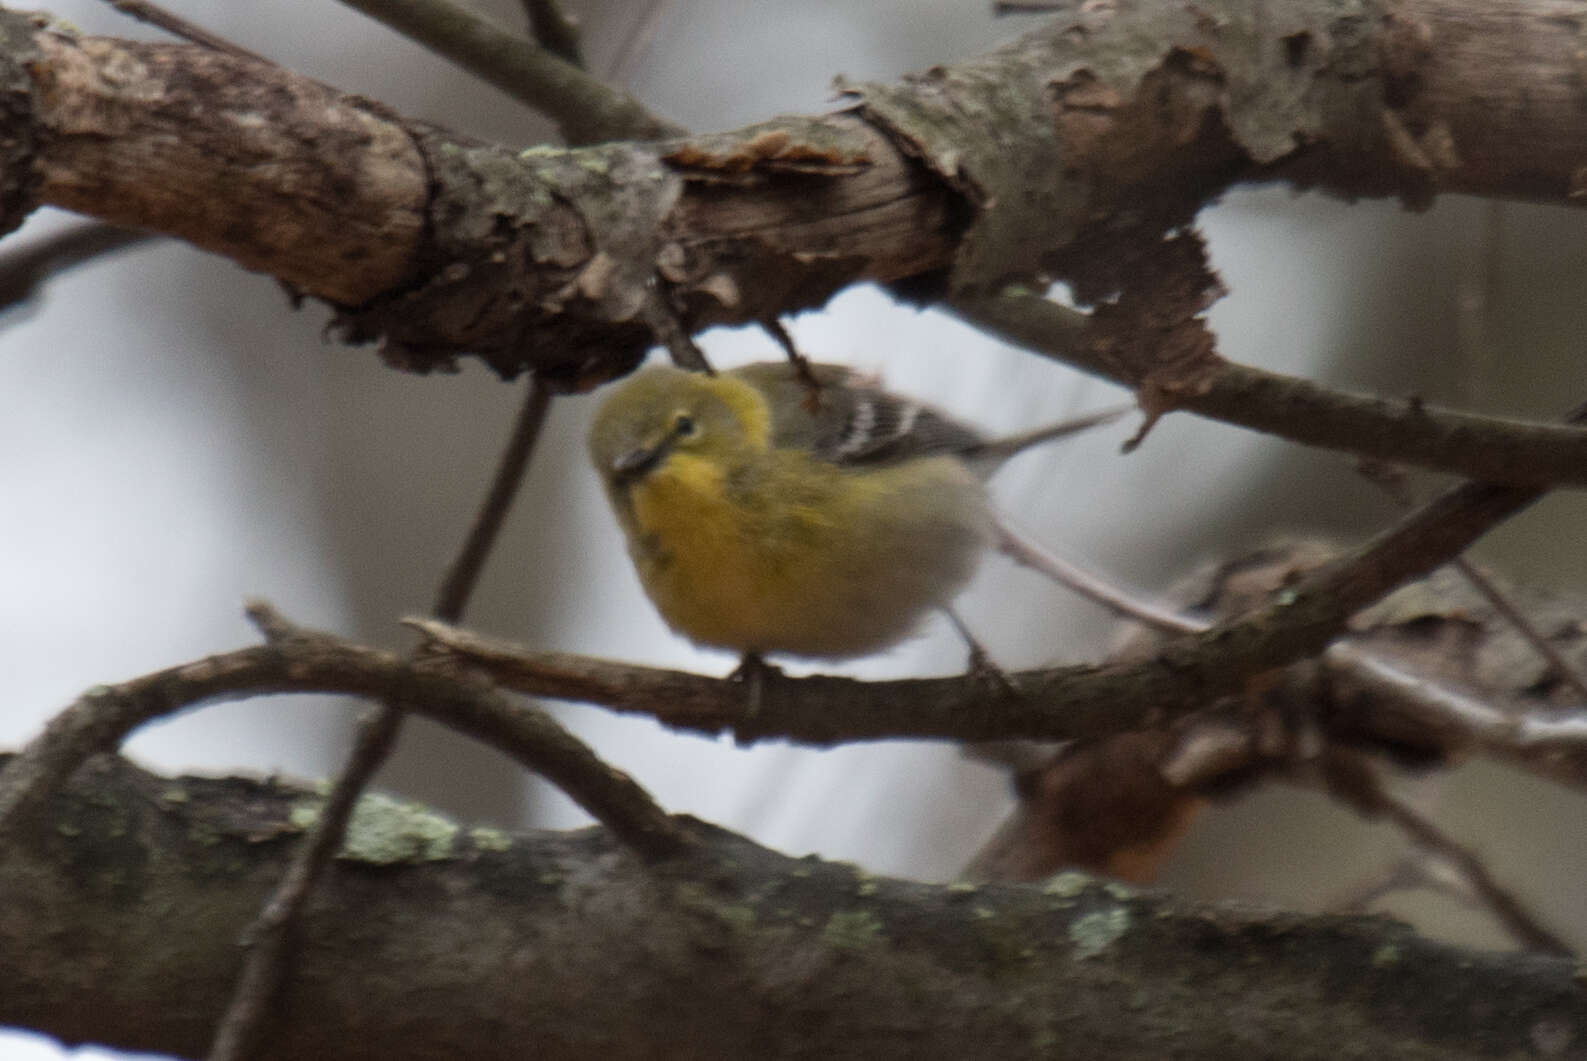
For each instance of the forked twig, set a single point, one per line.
(1349, 776)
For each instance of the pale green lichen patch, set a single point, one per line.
(706, 902)
(489, 839)
(1119, 890)
(387, 831)
(1068, 884)
(1095, 932)
(852, 930)
(1386, 955)
(739, 915)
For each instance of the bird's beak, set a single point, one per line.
(637, 462)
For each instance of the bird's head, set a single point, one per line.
(664, 411)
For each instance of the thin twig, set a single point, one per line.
(24, 271)
(270, 938)
(1393, 482)
(1551, 745)
(463, 575)
(1024, 550)
(177, 26)
(1350, 777)
(1483, 448)
(641, 35)
(1405, 873)
(585, 109)
(1031, 7)
(554, 30)
(784, 338)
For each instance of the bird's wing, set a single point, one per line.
(849, 419)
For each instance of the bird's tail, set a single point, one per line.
(990, 455)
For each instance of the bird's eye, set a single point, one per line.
(684, 426)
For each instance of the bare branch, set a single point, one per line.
(1476, 447)
(23, 272)
(1351, 778)
(1066, 702)
(454, 942)
(1394, 483)
(555, 30)
(273, 935)
(1451, 721)
(463, 575)
(103, 717)
(1024, 550)
(775, 218)
(586, 110)
(176, 25)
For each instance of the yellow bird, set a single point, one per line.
(768, 511)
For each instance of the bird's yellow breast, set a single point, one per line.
(701, 562)
(808, 559)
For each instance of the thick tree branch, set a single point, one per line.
(431, 941)
(554, 258)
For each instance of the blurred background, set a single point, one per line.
(177, 438)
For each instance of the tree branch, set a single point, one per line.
(177, 26)
(433, 941)
(1487, 448)
(1061, 703)
(23, 272)
(556, 31)
(1352, 779)
(547, 77)
(548, 258)
(1434, 674)
(103, 717)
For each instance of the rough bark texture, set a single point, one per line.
(1063, 155)
(431, 941)
(275, 171)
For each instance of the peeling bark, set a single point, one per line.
(1061, 156)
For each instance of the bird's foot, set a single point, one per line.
(981, 666)
(754, 672)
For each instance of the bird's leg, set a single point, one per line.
(754, 672)
(981, 664)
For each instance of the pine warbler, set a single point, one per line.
(766, 515)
